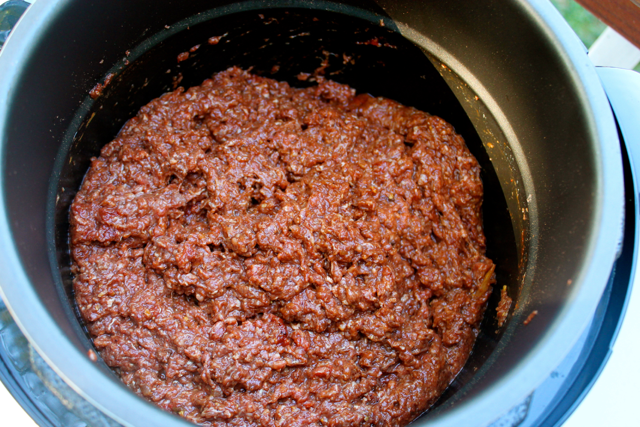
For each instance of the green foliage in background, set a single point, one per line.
(587, 26)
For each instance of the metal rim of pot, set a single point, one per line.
(103, 392)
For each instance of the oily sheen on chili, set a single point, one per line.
(251, 254)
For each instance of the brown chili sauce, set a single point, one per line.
(251, 254)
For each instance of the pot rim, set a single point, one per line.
(105, 392)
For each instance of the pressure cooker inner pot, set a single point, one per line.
(298, 45)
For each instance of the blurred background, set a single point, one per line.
(587, 26)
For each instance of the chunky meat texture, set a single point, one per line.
(250, 254)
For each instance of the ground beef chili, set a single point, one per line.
(250, 254)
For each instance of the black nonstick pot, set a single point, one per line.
(509, 75)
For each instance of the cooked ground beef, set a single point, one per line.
(250, 254)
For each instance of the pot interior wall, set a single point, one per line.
(281, 44)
